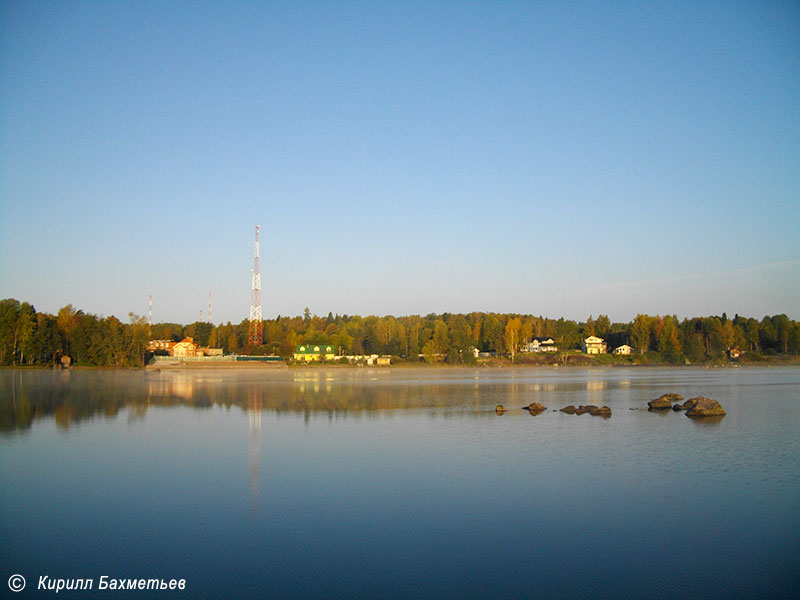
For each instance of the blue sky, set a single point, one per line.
(564, 159)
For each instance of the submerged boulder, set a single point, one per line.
(704, 407)
(535, 407)
(500, 409)
(582, 410)
(664, 402)
(570, 410)
(603, 411)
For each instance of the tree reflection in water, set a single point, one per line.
(71, 397)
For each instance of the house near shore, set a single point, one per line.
(593, 345)
(623, 350)
(186, 347)
(204, 351)
(368, 359)
(540, 344)
(312, 352)
(164, 345)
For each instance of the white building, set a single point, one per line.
(540, 344)
(593, 345)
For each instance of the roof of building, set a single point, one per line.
(313, 349)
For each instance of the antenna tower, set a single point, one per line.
(256, 333)
(209, 308)
(150, 315)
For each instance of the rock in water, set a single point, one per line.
(664, 402)
(685, 406)
(535, 407)
(704, 407)
(570, 410)
(603, 411)
(500, 409)
(582, 410)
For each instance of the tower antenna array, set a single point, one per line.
(209, 309)
(256, 334)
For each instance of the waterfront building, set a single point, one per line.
(311, 352)
(593, 345)
(165, 345)
(540, 344)
(186, 347)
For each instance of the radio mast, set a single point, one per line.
(256, 334)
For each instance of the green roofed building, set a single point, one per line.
(309, 352)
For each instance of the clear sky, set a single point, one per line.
(554, 158)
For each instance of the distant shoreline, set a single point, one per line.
(493, 363)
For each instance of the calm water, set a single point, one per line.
(402, 483)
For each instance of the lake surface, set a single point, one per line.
(402, 483)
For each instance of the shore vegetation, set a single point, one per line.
(32, 338)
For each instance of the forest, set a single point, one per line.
(31, 338)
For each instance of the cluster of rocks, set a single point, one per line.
(595, 411)
(698, 406)
(534, 408)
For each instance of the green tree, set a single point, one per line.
(26, 328)
(694, 347)
(782, 327)
(9, 315)
(752, 334)
(511, 336)
(589, 327)
(668, 344)
(441, 341)
(492, 334)
(602, 326)
(67, 321)
(640, 333)
(385, 331)
(429, 352)
(526, 332)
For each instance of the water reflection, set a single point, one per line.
(72, 397)
(255, 406)
(706, 421)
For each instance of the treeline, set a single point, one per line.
(28, 337)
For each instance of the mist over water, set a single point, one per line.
(403, 482)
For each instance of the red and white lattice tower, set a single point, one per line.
(209, 309)
(256, 334)
(150, 315)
